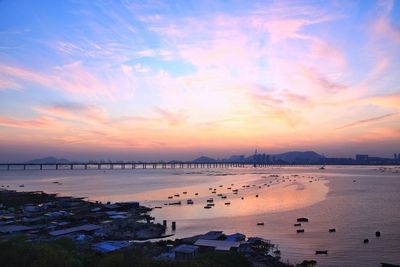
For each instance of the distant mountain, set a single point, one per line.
(203, 159)
(50, 160)
(235, 158)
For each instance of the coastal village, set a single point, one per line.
(109, 227)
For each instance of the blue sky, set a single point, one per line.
(167, 79)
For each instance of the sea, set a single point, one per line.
(356, 201)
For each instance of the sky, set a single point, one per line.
(152, 80)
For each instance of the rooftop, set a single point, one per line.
(217, 244)
(85, 227)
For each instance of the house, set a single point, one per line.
(109, 246)
(82, 228)
(186, 252)
(236, 237)
(212, 235)
(8, 229)
(220, 245)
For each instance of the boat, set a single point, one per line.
(260, 223)
(196, 194)
(175, 203)
(332, 230)
(377, 234)
(227, 203)
(207, 207)
(321, 252)
(22, 185)
(223, 197)
(297, 224)
(366, 241)
(211, 204)
(184, 193)
(170, 197)
(300, 231)
(176, 195)
(302, 219)
(322, 168)
(210, 200)
(189, 202)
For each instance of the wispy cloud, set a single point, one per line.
(36, 123)
(368, 121)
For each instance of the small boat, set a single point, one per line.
(189, 202)
(170, 197)
(158, 207)
(383, 264)
(184, 193)
(256, 195)
(210, 200)
(211, 204)
(377, 234)
(176, 195)
(175, 203)
(227, 203)
(300, 231)
(207, 207)
(223, 197)
(196, 194)
(22, 185)
(366, 241)
(297, 224)
(302, 219)
(260, 223)
(242, 198)
(322, 168)
(332, 230)
(321, 252)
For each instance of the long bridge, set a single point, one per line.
(123, 165)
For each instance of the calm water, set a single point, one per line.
(357, 201)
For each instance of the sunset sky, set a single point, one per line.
(178, 79)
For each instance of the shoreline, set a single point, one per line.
(43, 218)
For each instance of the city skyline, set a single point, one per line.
(167, 80)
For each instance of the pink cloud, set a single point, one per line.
(76, 112)
(40, 122)
(72, 78)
